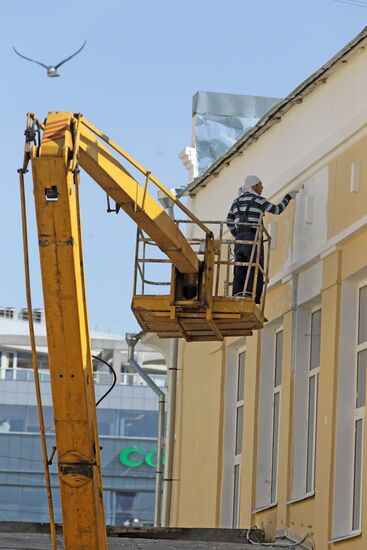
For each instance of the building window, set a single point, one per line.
(136, 423)
(313, 380)
(234, 421)
(10, 360)
(359, 410)
(23, 314)
(7, 313)
(350, 426)
(277, 381)
(129, 507)
(36, 314)
(239, 403)
(306, 384)
(269, 415)
(25, 360)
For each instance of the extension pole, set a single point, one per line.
(35, 362)
(132, 340)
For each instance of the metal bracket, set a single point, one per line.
(30, 134)
(49, 462)
(109, 209)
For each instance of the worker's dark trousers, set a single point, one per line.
(242, 253)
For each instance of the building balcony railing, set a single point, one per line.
(100, 378)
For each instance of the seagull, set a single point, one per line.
(52, 69)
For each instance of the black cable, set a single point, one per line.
(114, 379)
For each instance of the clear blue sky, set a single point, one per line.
(135, 80)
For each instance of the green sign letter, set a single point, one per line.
(149, 459)
(125, 459)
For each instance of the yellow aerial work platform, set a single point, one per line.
(229, 317)
(198, 265)
(210, 313)
(198, 305)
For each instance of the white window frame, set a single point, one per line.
(312, 373)
(8, 364)
(276, 391)
(346, 411)
(229, 459)
(239, 403)
(359, 414)
(265, 441)
(301, 440)
(9, 359)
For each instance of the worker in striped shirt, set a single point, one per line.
(243, 219)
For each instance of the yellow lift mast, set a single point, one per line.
(193, 309)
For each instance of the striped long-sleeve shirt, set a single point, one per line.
(248, 207)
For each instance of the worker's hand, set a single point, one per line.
(293, 194)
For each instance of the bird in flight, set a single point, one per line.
(51, 69)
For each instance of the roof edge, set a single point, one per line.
(274, 115)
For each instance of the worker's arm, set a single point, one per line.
(267, 206)
(230, 221)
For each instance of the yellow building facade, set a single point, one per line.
(270, 429)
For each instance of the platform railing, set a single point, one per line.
(255, 268)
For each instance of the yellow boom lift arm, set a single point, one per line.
(193, 309)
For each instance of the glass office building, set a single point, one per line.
(127, 420)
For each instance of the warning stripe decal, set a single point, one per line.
(50, 130)
(55, 130)
(52, 126)
(55, 122)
